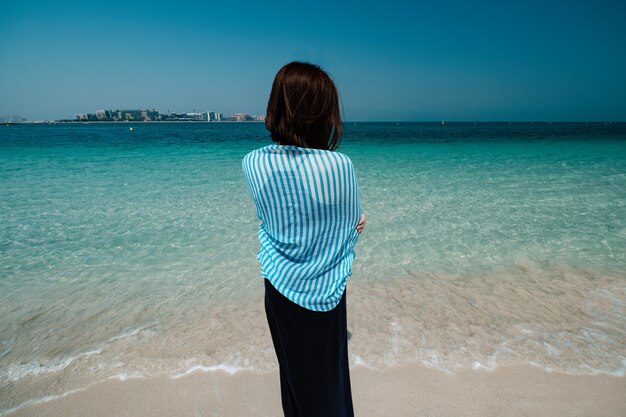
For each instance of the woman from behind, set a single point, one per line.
(306, 196)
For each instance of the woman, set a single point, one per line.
(307, 199)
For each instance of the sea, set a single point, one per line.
(129, 253)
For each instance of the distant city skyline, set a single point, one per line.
(397, 61)
(153, 115)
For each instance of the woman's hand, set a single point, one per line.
(359, 227)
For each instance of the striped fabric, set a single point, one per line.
(308, 203)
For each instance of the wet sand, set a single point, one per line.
(404, 391)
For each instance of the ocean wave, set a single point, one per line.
(15, 372)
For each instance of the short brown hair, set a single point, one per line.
(303, 108)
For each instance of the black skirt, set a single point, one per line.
(312, 352)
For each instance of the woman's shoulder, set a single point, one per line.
(337, 160)
(278, 150)
(258, 150)
(342, 159)
(256, 153)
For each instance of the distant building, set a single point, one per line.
(198, 117)
(11, 118)
(260, 118)
(153, 115)
(241, 117)
(175, 116)
(183, 117)
(133, 115)
(84, 117)
(137, 115)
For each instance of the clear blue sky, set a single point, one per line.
(391, 61)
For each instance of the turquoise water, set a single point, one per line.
(133, 253)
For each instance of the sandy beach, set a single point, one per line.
(404, 391)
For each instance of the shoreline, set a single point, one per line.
(518, 390)
(435, 324)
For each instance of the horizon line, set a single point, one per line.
(66, 121)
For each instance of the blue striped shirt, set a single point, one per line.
(308, 203)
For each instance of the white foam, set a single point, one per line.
(123, 376)
(129, 333)
(230, 369)
(41, 400)
(359, 361)
(552, 351)
(15, 372)
(490, 364)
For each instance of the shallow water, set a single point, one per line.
(133, 253)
